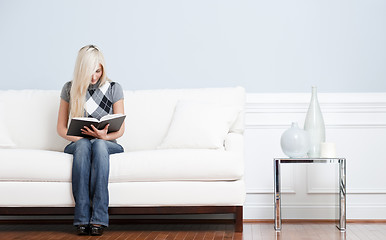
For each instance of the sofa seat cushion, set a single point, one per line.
(27, 165)
(176, 165)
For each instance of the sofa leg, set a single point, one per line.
(239, 219)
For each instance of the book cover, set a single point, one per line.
(76, 124)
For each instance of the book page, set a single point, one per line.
(86, 119)
(111, 116)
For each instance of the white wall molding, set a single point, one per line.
(315, 211)
(371, 98)
(329, 102)
(350, 110)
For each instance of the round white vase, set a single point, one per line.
(295, 142)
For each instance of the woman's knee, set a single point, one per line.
(99, 143)
(82, 146)
(99, 146)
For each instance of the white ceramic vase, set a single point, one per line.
(314, 125)
(295, 142)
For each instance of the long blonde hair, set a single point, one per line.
(88, 60)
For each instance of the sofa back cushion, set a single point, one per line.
(30, 116)
(5, 138)
(150, 112)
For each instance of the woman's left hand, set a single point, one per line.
(94, 132)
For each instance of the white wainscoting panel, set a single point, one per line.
(355, 122)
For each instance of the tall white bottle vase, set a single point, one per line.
(314, 125)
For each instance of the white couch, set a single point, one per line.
(183, 154)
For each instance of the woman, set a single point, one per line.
(91, 94)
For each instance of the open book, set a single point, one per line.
(76, 124)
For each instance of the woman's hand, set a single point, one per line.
(94, 132)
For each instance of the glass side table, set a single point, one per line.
(342, 186)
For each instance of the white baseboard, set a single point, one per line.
(315, 212)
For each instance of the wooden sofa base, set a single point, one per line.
(236, 210)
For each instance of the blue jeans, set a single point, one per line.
(90, 177)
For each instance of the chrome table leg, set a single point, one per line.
(342, 194)
(277, 194)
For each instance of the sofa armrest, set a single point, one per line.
(234, 142)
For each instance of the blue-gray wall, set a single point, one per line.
(265, 46)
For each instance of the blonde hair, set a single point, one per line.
(87, 62)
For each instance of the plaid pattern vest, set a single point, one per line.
(98, 103)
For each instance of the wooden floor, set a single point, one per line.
(252, 231)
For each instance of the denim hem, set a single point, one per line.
(81, 223)
(100, 223)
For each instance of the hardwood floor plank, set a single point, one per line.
(229, 232)
(119, 231)
(162, 236)
(247, 232)
(268, 232)
(310, 231)
(256, 231)
(370, 230)
(252, 231)
(191, 235)
(172, 231)
(357, 231)
(381, 230)
(211, 231)
(200, 232)
(183, 233)
(123, 233)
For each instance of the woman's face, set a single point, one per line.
(97, 74)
